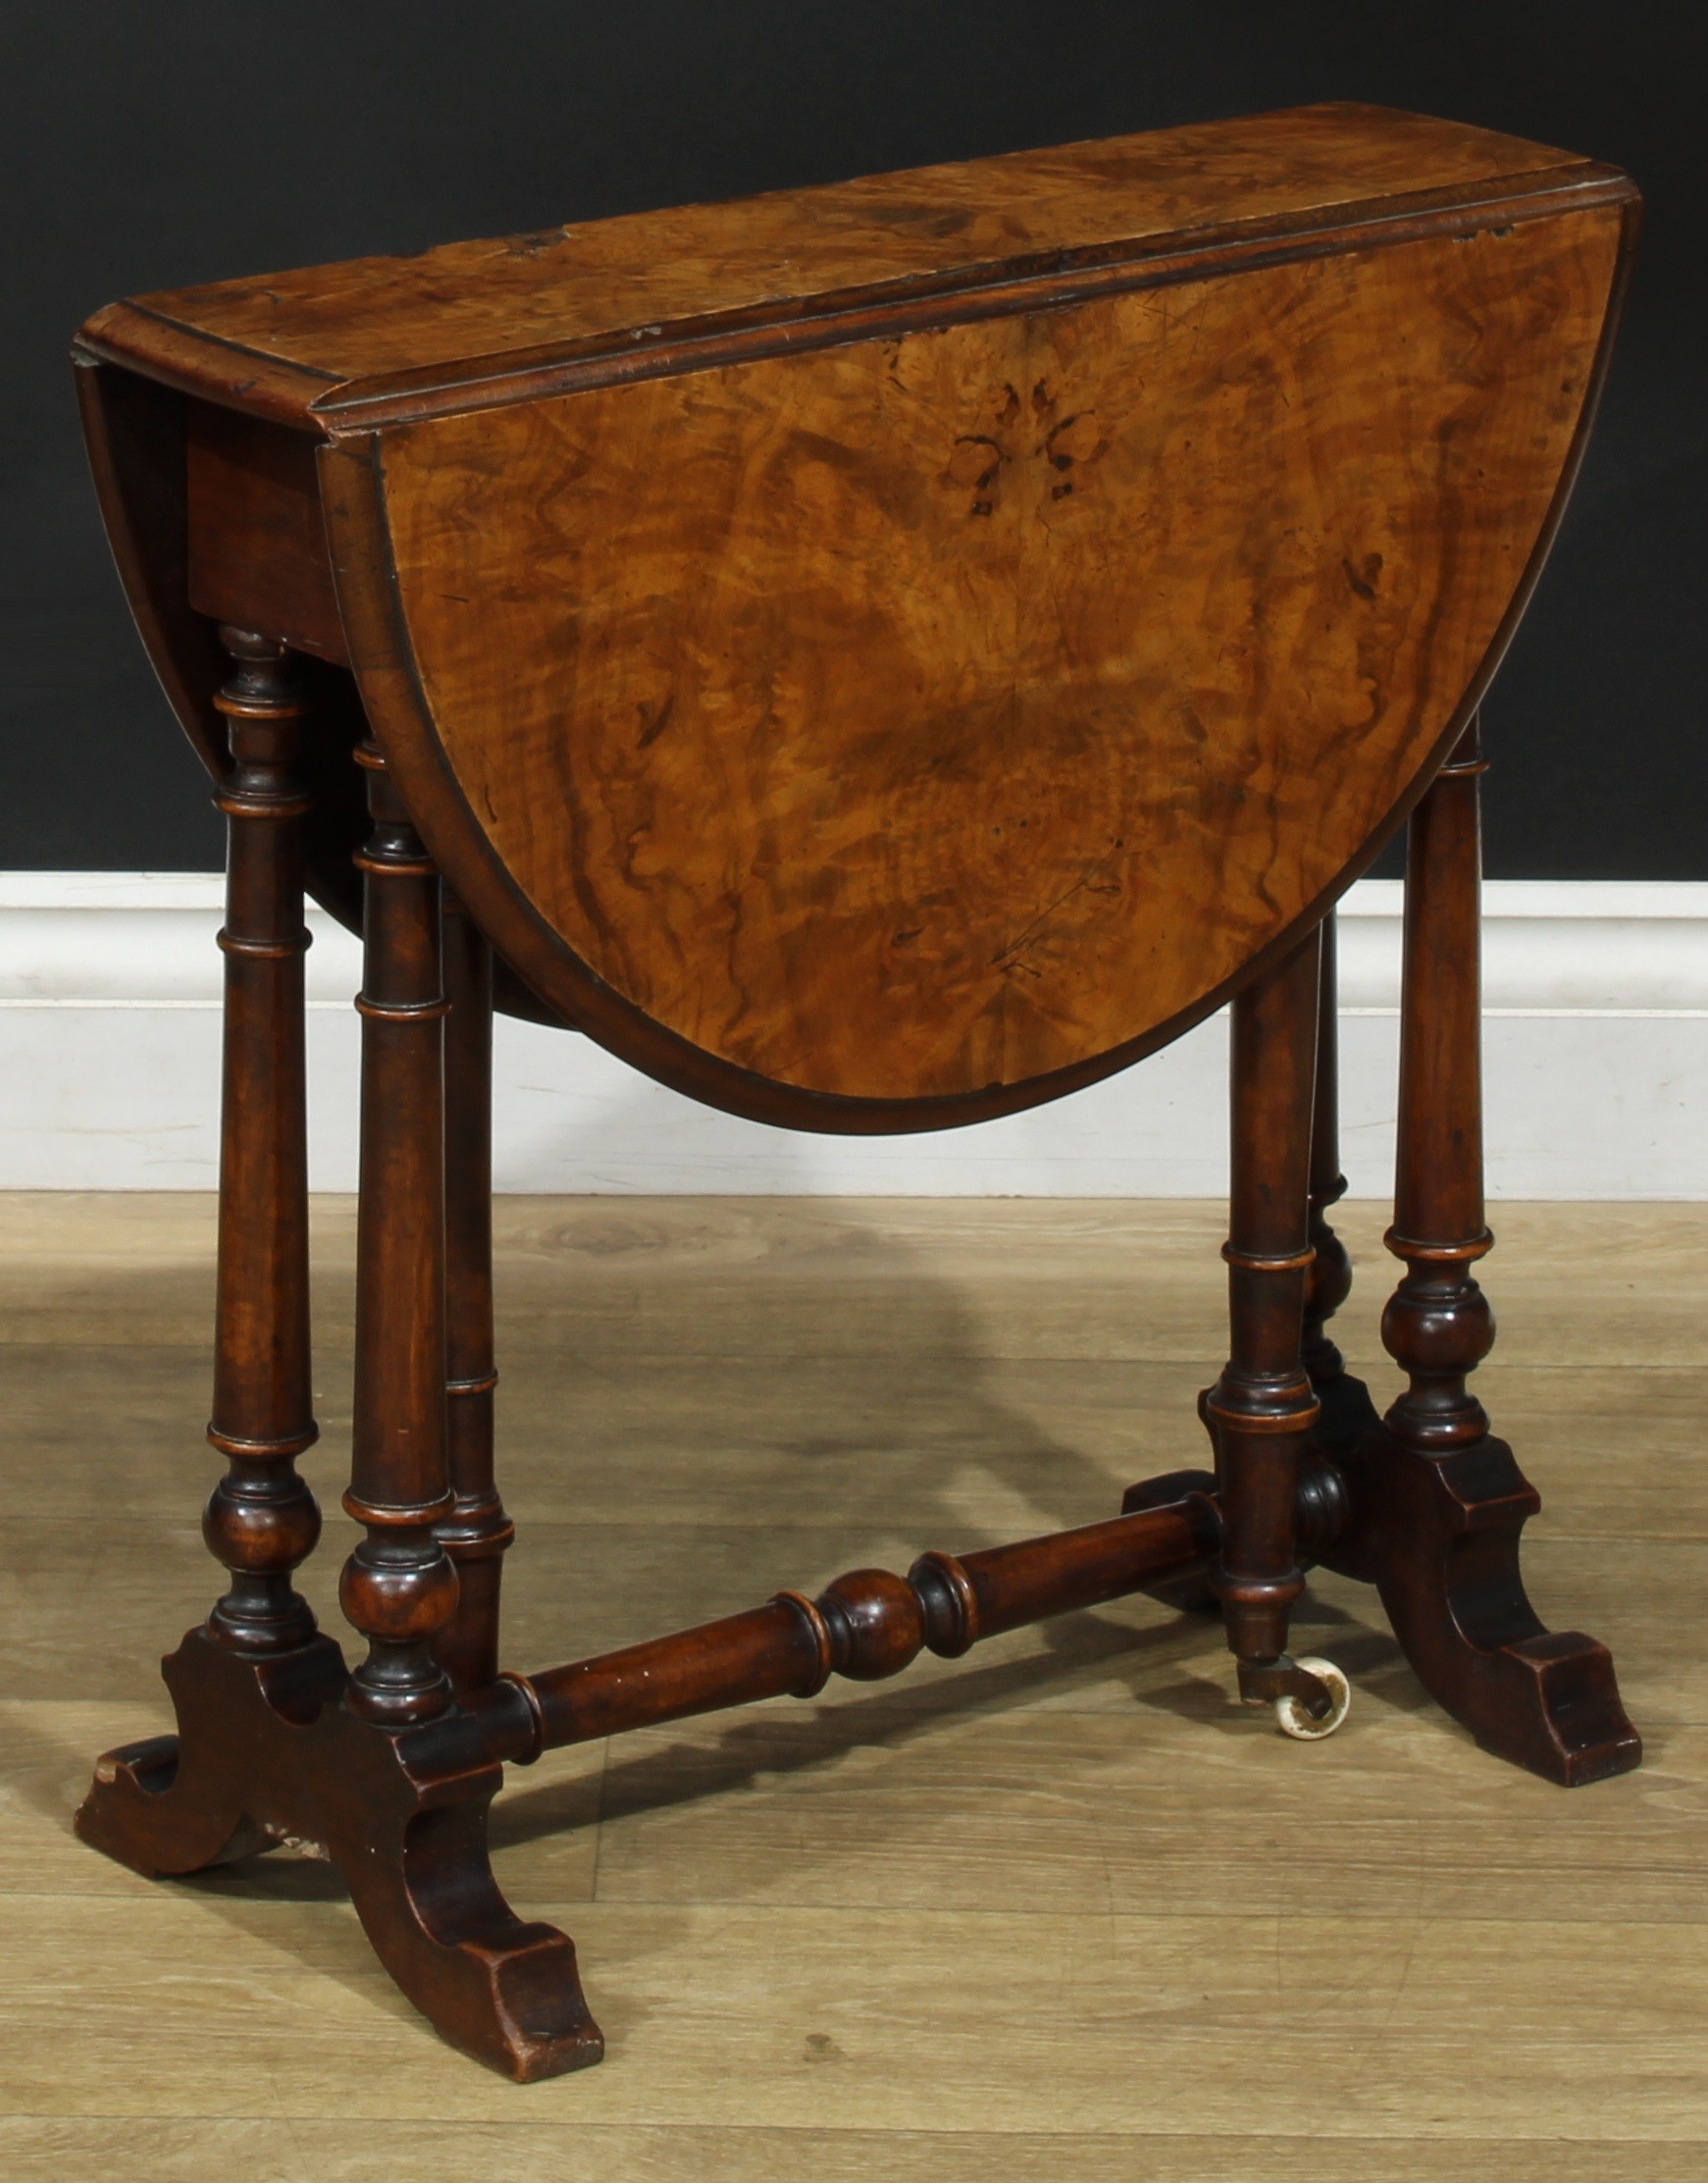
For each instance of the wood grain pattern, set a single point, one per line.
(1027, 271)
(930, 716)
(136, 432)
(257, 546)
(872, 699)
(289, 343)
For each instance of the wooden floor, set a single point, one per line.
(1063, 1910)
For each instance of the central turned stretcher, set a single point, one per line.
(875, 657)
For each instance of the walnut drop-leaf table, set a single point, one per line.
(875, 657)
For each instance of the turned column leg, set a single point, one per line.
(262, 1519)
(1439, 1326)
(394, 1783)
(1328, 1278)
(1436, 1502)
(1347, 1408)
(1262, 1410)
(169, 1803)
(399, 1587)
(477, 1531)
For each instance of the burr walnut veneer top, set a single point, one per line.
(310, 346)
(881, 656)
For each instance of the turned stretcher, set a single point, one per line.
(875, 657)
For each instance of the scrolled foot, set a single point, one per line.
(174, 1804)
(268, 1754)
(146, 1810)
(409, 1829)
(1439, 1536)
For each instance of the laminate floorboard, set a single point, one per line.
(1062, 1909)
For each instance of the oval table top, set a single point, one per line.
(981, 618)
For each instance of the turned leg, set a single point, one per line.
(262, 1519)
(156, 1806)
(477, 1531)
(1328, 1278)
(1437, 1502)
(399, 1587)
(1347, 1410)
(1439, 1326)
(381, 1771)
(413, 1842)
(1263, 1410)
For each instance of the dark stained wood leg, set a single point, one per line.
(262, 1520)
(508, 1992)
(477, 1531)
(1436, 1503)
(1263, 1410)
(388, 1775)
(277, 1745)
(1347, 1408)
(399, 1587)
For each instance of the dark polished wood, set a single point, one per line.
(1439, 1326)
(477, 1531)
(1262, 1411)
(1346, 1407)
(256, 541)
(399, 1587)
(875, 657)
(1437, 1502)
(869, 1625)
(270, 1754)
(262, 1519)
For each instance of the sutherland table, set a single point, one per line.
(875, 657)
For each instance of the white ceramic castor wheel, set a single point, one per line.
(1292, 1716)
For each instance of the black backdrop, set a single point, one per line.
(155, 142)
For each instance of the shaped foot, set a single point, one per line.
(1439, 1537)
(174, 1804)
(409, 1831)
(268, 1756)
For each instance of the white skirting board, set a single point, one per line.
(1596, 1045)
